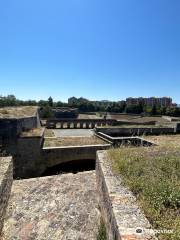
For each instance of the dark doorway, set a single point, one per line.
(74, 166)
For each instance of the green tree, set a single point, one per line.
(154, 110)
(50, 101)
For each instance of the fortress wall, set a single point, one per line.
(122, 217)
(28, 161)
(6, 179)
(56, 155)
(135, 131)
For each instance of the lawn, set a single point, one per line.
(72, 141)
(153, 175)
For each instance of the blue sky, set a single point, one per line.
(98, 49)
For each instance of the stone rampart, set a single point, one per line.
(123, 218)
(55, 155)
(6, 179)
(132, 131)
(28, 160)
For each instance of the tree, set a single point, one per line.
(154, 110)
(50, 101)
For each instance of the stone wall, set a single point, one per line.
(11, 128)
(129, 141)
(28, 161)
(32, 159)
(6, 179)
(56, 155)
(135, 131)
(123, 218)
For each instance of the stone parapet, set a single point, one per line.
(6, 179)
(123, 218)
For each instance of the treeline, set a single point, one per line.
(84, 105)
(121, 107)
(11, 100)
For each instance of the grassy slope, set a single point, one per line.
(153, 174)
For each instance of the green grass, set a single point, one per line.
(153, 175)
(102, 232)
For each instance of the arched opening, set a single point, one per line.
(74, 166)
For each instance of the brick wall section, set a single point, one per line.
(6, 179)
(122, 216)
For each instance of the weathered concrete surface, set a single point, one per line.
(6, 178)
(123, 218)
(52, 156)
(61, 207)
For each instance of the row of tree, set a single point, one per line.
(84, 105)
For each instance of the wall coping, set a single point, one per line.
(78, 146)
(5, 163)
(124, 215)
(125, 138)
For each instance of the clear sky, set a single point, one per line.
(98, 49)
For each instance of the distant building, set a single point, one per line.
(163, 101)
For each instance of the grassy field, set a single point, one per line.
(153, 175)
(72, 141)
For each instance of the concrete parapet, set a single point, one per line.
(123, 218)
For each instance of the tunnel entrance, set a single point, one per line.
(74, 166)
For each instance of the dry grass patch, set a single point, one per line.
(72, 141)
(17, 112)
(169, 141)
(49, 133)
(153, 175)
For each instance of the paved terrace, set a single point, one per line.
(62, 207)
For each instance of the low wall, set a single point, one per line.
(135, 131)
(122, 216)
(32, 159)
(129, 122)
(56, 155)
(6, 179)
(11, 128)
(133, 141)
(28, 160)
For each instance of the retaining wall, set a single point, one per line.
(6, 179)
(56, 155)
(123, 218)
(28, 160)
(133, 141)
(135, 131)
(32, 159)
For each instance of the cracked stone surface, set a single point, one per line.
(62, 207)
